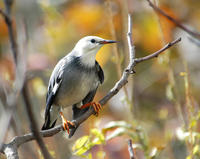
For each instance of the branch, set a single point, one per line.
(124, 79)
(11, 151)
(17, 141)
(130, 149)
(5, 16)
(8, 20)
(176, 22)
(155, 54)
(33, 123)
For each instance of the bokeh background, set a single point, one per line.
(159, 107)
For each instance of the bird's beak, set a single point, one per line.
(107, 41)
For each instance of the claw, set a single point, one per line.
(66, 123)
(97, 107)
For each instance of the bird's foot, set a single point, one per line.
(97, 107)
(66, 123)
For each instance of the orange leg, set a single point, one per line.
(66, 123)
(97, 107)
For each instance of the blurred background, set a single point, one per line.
(159, 107)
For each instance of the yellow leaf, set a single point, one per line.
(183, 73)
(80, 143)
(99, 136)
(196, 149)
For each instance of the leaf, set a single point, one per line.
(169, 92)
(116, 124)
(85, 143)
(88, 156)
(138, 146)
(81, 151)
(196, 149)
(101, 154)
(117, 132)
(99, 137)
(52, 153)
(153, 152)
(189, 157)
(81, 145)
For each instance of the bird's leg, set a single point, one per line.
(97, 107)
(66, 123)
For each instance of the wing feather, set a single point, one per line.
(99, 72)
(54, 84)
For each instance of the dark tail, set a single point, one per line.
(47, 123)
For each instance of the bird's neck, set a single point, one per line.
(87, 59)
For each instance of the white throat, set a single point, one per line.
(88, 59)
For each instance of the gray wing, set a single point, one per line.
(54, 84)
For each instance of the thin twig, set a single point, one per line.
(4, 15)
(130, 149)
(131, 47)
(130, 39)
(176, 22)
(115, 50)
(155, 54)
(19, 140)
(8, 20)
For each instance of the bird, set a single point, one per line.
(74, 82)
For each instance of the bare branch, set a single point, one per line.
(33, 123)
(130, 42)
(5, 16)
(130, 149)
(14, 48)
(8, 20)
(176, 22)
(130, 39)
(155, 54)
(10, 149)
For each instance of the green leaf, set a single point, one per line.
(101, 154)
(116, 124)
(188, 157)
(81, 145)
(81, 151)
(80, 142)
(99, 137)
(196, 149)
(117, 132)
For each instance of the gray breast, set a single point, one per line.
(78, 81)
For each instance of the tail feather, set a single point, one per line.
(51, 117)
(47, 124)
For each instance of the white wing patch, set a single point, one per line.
(55, 88)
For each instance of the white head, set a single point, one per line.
(87, 48)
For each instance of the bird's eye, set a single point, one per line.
(92, 41)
